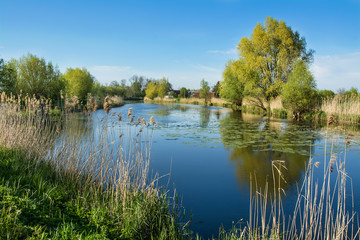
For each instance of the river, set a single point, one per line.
(211, 155)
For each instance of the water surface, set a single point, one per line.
(212, 154)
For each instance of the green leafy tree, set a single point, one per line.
(353, 92)
(326, 94)
(99, 90)
(79, 82)
(8, 77)
(151, 90)
(271, 52)
(233, 84)
(299, 94)
(216, 89)
(137, 86)
(36, 77)
(205, 91)
(184, 93)
(163, 87)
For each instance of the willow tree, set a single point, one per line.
(37, 77)
(232, 88)
(79, 82)
(271, 52)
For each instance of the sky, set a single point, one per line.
(184, 41)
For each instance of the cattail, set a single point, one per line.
(107, 105)
(316, 164)
(75, 101)
(151, 121)
(93, 104)
(119, 117)
(143, 121)
(129, 112)
(132, 119)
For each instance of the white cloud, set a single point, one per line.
(228, 52)
(337, 71)
(206, 68)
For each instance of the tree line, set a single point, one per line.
(34, 76)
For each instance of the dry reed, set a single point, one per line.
(346, 108)
(320, 211)
(110, 170)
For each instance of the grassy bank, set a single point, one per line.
(38, 202)
(59, 182)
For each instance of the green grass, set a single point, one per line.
(36, 202)
(53, 186)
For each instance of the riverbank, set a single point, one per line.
(40, 202)
(53, 186)
(344, 110)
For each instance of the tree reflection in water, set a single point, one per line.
(254, 142)
(205, 114)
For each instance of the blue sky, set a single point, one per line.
(184, 41)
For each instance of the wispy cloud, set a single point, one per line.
(228, 52)
(206, 68)
(337, 71)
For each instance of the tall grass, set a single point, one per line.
(321, 210)
(345, 108)
(92, 184)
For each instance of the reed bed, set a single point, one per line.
(87, 184)
(344, 108)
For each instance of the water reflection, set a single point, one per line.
(254, 142)
(205, 114)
